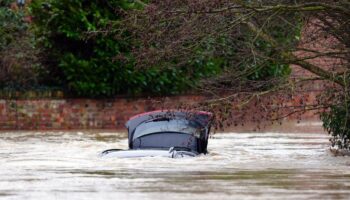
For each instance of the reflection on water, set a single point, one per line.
(240, 166)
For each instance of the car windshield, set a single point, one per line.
(173, 125)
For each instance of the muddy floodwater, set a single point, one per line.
(59, 165)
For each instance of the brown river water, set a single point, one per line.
(66, 165)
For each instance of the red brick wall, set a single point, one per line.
(65, 114)
(46, 114)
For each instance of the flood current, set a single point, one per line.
(66, 165)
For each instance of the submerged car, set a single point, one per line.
(166, 133)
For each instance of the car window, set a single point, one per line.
(173, 125)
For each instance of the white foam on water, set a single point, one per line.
(66, 165)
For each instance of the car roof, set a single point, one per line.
(201, 117)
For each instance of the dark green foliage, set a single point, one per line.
(286, 35)
(19, 68)
(11, 24)
(92, 49)
(337, 123)
(80, 55)
(265, 69)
